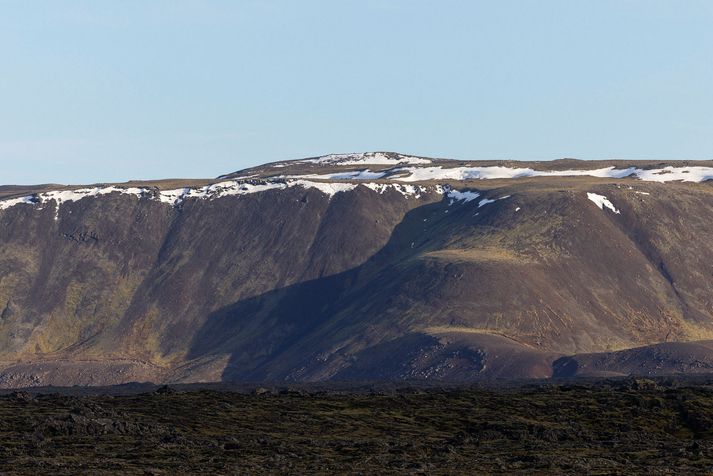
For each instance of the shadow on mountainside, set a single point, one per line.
(279, 334)
(463, 291)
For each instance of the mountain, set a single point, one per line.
(372, 266)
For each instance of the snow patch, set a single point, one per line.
(216, 190)
(63, 196)
(601, 201)
(374, 158)
(672, 174)
(487, 201)
(666, 174)
(227, 189)
(465, 196)
(417, 174)
(173, 197)
(235, 188)
(28, 200)
(352, 175)
(177, 196)
(329, 189)
(403, 189)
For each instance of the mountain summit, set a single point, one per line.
(365, 266)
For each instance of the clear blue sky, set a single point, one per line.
(110, 90)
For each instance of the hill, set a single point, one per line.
(360, 267)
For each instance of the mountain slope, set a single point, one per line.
(354, 267)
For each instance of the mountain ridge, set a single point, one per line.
(336, 268)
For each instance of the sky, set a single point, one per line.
(112, 90)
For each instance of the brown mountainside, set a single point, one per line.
(290, 277)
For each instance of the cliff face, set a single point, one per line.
(342, 278)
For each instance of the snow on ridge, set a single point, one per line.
(670, 173)
(216, 190)
(62, 196)
(359, 175)
(5, 204)
(417, 174)
(373, 158)
(233, 188)
(176, 196)
(404, 189)
(365, 174)
(665, 174)
(222, 189)
(173, 197)
(329, 189)
(601, 201)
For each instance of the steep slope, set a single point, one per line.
(354, 267)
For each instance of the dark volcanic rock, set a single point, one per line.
(606, 427)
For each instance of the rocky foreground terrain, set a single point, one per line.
(356, 267)
(632, 426)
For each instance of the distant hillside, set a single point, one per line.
(376, 266)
